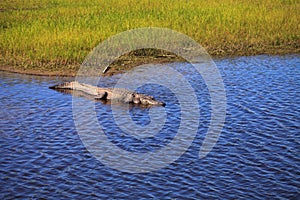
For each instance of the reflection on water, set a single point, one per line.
(257, 155)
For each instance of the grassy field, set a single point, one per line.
(54, 36)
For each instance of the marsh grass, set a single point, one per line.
(56, 35)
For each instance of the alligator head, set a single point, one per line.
(147, 100)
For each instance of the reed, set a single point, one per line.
(56, 35)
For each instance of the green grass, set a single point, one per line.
(56, 35)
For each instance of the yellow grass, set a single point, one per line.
(56, 35)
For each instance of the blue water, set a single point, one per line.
(256, 157)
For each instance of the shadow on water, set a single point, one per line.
(81, 94)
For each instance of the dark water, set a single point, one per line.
(256, 157)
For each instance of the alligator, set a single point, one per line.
(112, 94)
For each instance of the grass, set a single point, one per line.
(54, 36)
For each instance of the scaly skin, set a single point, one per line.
(113, 94)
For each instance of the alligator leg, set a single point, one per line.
(101, 95)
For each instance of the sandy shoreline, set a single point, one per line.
(119, 66)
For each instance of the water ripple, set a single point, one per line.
(256, 157)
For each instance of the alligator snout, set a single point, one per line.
(151, 102)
